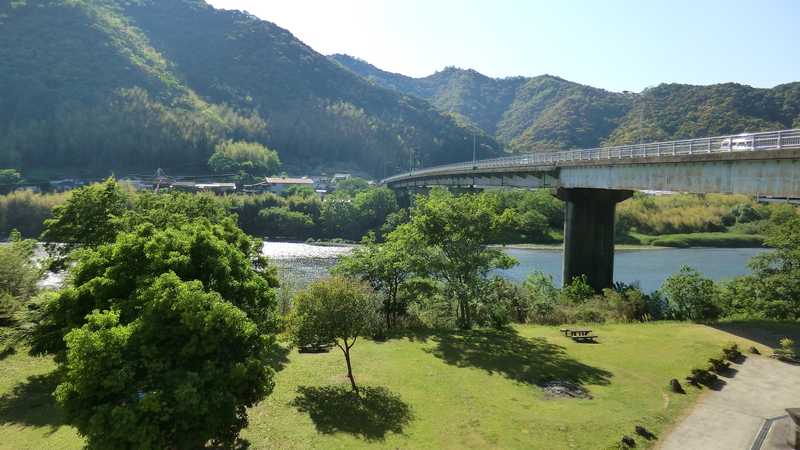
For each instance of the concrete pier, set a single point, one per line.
(589, 234)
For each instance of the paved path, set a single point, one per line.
(731, 418)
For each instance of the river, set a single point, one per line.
(299, 264)
(648, 267)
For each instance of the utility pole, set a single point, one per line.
(474, 148)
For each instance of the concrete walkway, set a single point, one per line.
(731, 418)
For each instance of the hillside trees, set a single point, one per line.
(249, 157)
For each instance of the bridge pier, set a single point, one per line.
(589, 234)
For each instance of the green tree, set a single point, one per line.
(373, 207)
(19, 273)
(249, 157)
(459, 229)
(180, 375)
(335, 310)
(773, 290)
(9, 178)
(352, 185)
(386, 267)
(691, 296)
(109, 276)
(339, 218)
(281, 222)
(87, 218)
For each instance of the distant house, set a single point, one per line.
(340, 176)
(191, 186)
(65, 185)
(279, 185)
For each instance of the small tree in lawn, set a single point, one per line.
(335, 310)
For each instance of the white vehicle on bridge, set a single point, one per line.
(741, 142)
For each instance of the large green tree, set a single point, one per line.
(386, 267)
(180, 375)
(249, 157)
(773, 290)
(87, 218)
(458, 230)
(109, 276)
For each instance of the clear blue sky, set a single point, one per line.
(612, 44)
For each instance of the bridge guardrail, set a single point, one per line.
(746, 142)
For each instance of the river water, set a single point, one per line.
(298, 264)
(648, 267)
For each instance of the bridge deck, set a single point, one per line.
(749, 146)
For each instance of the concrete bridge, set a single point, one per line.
(593, 181)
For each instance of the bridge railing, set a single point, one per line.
(747, 142)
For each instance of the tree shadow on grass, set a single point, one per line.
(278, 356)
(337, 409)
(31, 403)
(765, 332)
(505, 352)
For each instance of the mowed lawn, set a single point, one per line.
(442, 390)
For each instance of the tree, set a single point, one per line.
(374, 206)
(178, 376)
(386, 267)
(458, 230)
(19, 273)
(351, 185)
(87, 218)
(339, 218)
(108, 277)
(773, 290)
(691, 296)
(9, 179)
(335, 310)
(281, 222)
(240, 156)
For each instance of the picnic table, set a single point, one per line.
(579, 335)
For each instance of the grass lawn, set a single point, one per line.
(441, 390)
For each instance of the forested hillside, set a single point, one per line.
(547, 112)
(140, 84)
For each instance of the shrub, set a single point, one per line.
(691, 296)
(732, 352)
(576, 291)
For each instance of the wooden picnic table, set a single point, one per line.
(579, 335)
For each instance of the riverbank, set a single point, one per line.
(688, 240)
(560, 246)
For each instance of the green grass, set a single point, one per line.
(720, 240)
(440, 390)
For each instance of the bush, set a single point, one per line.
(786, 351)
(691, 296)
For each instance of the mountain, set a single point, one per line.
(139, 84)
(547, 112)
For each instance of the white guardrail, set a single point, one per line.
(747, 142)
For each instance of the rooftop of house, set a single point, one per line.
(282, 180)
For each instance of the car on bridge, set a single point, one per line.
(741, 142)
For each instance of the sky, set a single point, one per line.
(613, 44)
